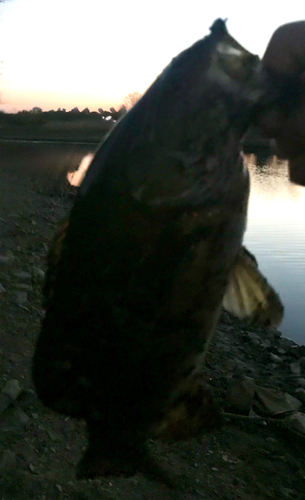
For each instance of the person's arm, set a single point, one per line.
(286, 50)
(285, 55)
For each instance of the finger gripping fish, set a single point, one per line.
(138, 271)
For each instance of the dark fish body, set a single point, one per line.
(138, 272)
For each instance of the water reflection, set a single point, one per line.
(77, 176)
(276, 235)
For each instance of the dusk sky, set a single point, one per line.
(65, 53)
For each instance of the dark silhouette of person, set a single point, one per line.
(285, 57)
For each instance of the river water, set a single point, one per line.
(276, 235)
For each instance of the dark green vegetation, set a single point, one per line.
(58, 125)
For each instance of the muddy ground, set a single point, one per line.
(247, 459)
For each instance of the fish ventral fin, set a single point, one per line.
(219, 27)
(249, 296)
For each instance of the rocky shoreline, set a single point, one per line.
(257, 376)
(256, 358)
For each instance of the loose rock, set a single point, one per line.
(5, 402)
(24, 286)
(302, 362)
(295, 368)
(300, 394)
(266, 344)
(286, 344)
(24, 275)
(21, 298)
(12, 388)
(26, 398)
(301, 382)
(296, 422)
(38, 274)
(275, 358)
(7, 460)
(276, 402)
(5, 259)
(298, 351)
(254, 339)
(12, 419)
(240, 395)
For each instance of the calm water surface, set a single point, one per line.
(276, 235)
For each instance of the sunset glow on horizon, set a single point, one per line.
(63, 54)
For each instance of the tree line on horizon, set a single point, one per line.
(37, 115)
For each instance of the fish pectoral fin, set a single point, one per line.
(249, 295)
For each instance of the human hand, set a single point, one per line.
(285, 56)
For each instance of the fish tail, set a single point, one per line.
(249, 296)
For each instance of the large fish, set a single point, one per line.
(138, 272)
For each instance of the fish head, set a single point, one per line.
(205, 90)
(234, 60)
(180, 144)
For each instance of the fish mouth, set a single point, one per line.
(231, 58)
(234, 60)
